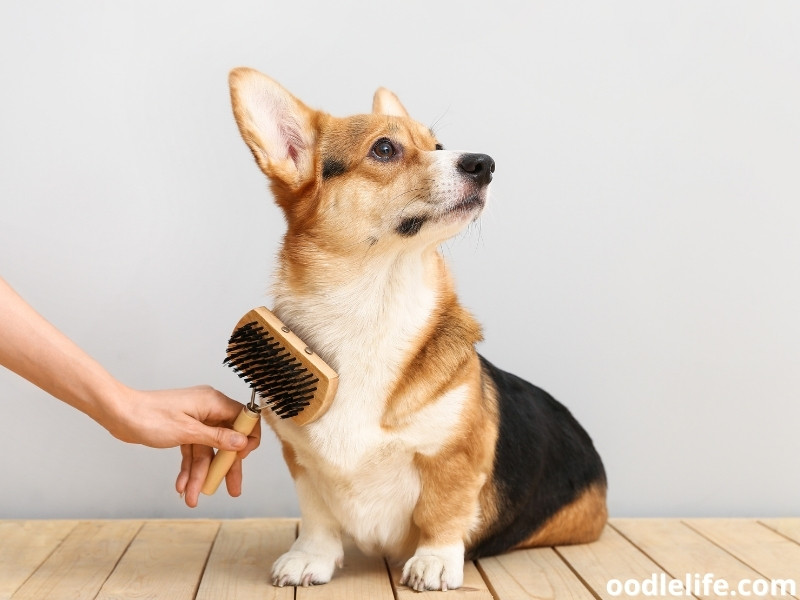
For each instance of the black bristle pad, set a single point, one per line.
(278, 377)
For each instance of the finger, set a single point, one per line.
(186, 467)
(216, 437)
(228, 439)
(252, 444)
(253, 441)
(201, 459)
(233, 480)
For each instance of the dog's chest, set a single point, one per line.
(366, 331)
(365, 475)
(371, 488)
(370, 359)
(365, 472)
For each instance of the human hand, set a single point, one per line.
(196, 460)
(195, 418)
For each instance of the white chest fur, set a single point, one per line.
(365, 473)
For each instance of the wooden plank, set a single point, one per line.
(612, 557)
(537, 573)
(165, 560)
(83, 561)
(241, 559)
(361, 577)
(474, 587)
(67, 559)
(786, 527)
(25, 546)
(684, 553)
(766, 551)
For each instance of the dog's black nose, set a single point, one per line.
(478, 166)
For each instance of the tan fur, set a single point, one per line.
(448, 510)
(289, 455)
(488, 499)
(579, 522)
(443, 356)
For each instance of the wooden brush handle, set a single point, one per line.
(223, 461)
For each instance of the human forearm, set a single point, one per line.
(34, 349)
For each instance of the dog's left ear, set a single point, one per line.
(386, 103)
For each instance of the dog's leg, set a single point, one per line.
(317, 551)
(445, 513)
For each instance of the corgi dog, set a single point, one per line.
(428, 454)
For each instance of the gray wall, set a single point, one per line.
(639, 259)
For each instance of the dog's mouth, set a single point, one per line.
(470, 204)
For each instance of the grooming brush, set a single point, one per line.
(292, 380)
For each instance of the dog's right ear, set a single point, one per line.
(276, 126)
(385, 102)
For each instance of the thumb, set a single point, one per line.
(222, 438)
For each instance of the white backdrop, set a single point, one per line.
(640, 258)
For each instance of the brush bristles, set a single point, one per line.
(284, 383)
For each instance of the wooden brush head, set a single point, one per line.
(292, 379)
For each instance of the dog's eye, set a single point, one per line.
(383, 149)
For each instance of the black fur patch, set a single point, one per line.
(332, 167)
(543, 461)
(410, 227)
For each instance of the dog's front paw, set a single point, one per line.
(435, 569)
(297, 567)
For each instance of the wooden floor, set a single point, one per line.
(219, 560)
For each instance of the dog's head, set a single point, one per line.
(380, 180)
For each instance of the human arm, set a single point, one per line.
(34, 349)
